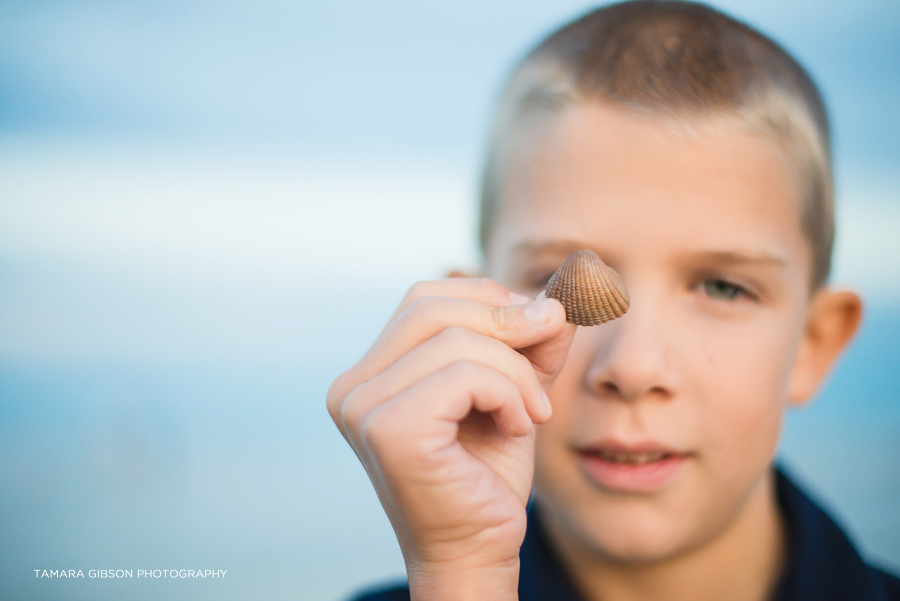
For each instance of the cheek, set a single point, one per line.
(742, 384)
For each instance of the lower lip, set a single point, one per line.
(631, 477)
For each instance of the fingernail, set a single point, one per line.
(539, 312)
(546, 401)
(518, 299)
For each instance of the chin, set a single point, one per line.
(626, 529)
(636, 534)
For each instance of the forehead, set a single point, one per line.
(604, 176)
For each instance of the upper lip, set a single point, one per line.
(612, 445)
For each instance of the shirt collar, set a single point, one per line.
(822, 563)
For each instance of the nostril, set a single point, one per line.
(608, 388)
(658, 391)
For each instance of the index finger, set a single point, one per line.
(483, 290)
(518, 326)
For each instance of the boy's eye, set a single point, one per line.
(721, 289)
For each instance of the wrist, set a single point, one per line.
(496, 582)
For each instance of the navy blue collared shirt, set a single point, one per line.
(822, 563)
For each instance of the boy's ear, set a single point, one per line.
(832, 320)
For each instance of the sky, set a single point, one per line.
(349, 74)
(332, 94)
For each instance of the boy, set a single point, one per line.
(692, 154)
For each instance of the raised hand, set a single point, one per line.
(440, 411)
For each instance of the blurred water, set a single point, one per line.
(109, 465)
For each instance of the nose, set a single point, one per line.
(635, 358)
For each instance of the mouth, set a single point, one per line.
(630, 458)
(644, 468)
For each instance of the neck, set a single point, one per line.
(742, 563)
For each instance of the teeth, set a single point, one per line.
(633, 458)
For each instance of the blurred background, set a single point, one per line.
(207, 211)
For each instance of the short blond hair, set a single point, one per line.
(678, 60)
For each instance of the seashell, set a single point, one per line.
(590, 290)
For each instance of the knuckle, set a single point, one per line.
(497, 292)
(462, 369)
(424, 305)
(419, 289)
(455, 336)
(378, 430)
(500, 319)
(490, 286)
(335, 396)
(352, 410)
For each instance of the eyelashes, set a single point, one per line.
(724, 290)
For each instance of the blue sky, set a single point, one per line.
(346, 74)
(221, 141)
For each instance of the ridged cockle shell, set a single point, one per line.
(590, 290)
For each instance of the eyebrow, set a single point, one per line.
(739, 258)
(729, 257)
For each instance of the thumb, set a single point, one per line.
(548, 356)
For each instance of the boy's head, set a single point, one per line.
(684, 65)
(691, 154)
